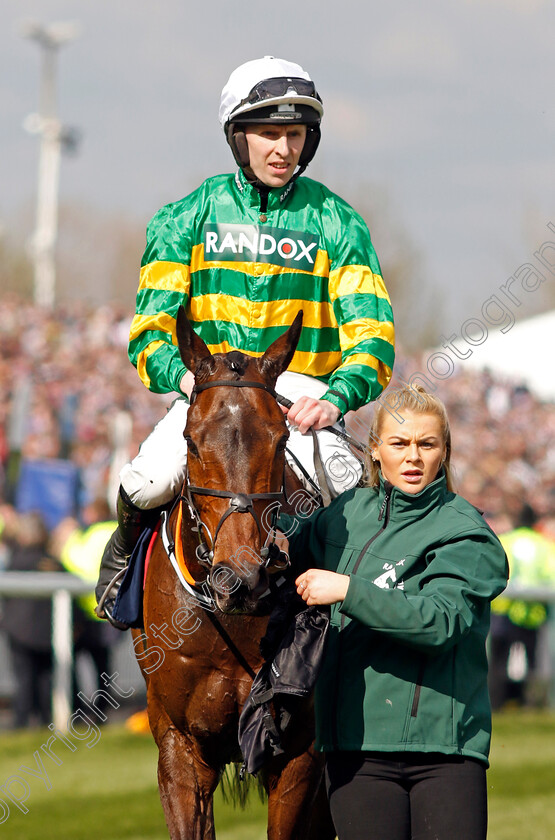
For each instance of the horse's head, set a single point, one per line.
(236, 436)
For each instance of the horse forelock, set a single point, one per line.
(221, 365)
(237, 362)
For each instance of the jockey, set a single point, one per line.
(244, 253)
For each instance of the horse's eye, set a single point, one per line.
(282, 443)
(190, 445)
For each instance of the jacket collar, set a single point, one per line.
(251, 196)
(412, 505)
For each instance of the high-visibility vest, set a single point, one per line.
(81, 555)
(531, 563)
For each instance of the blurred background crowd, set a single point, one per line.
(68, 391)
(70, 398)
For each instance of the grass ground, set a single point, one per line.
(521, 779)
(108, 789)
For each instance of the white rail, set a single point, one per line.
(61, 587)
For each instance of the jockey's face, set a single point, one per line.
(274, 151)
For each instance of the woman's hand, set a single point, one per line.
(282, 542)
(317, 586)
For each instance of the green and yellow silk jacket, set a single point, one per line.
(243, 275)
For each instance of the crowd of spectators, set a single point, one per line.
(67, 390)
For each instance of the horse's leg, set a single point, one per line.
(292, 792)
(186, 783)
(186, 788)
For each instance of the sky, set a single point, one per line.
(439, 115)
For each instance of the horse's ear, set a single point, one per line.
(277, 357)
(192, 348)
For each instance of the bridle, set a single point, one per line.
(238, 502)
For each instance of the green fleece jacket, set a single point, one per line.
(405, 667)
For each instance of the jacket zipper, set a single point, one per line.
(383, 515)
(417, 690)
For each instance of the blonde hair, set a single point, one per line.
(411, 398)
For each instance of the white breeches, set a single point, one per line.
(156, 474)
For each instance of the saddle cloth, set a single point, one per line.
(128, 606)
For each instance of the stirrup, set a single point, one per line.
(102, 611)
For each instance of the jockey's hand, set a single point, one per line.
(318, 586)
(187, 383)
(307, 413)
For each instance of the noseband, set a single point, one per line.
(238, 502)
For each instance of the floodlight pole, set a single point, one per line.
(48, 126)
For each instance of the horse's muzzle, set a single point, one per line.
(235, 593)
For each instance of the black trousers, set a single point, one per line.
(32, 671)
(406, 796)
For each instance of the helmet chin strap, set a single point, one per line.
(238, 141)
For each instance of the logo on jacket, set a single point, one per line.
(388, 580)
(252, 243)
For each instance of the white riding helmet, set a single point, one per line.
(267, 81)
(270, 90)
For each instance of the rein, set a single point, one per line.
(337, 432)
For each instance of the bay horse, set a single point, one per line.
(200, 648)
